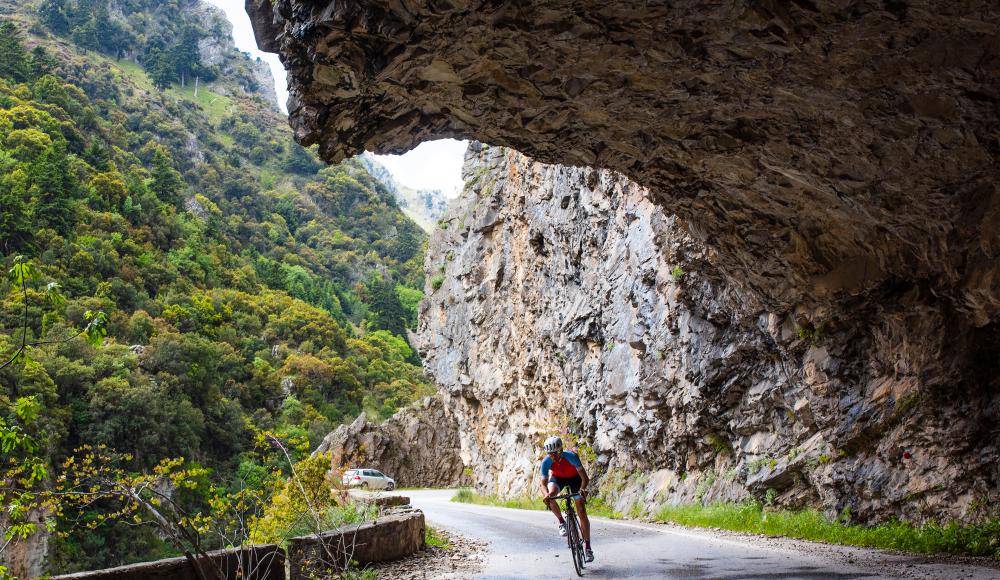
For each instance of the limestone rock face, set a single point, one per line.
(253, 76)
(817, 149)
(562, 300)
(418, 446)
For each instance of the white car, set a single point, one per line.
(368, 479)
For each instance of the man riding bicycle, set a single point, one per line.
(566, 469)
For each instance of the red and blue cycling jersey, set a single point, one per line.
(563, 468)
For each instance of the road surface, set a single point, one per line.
(526, 544)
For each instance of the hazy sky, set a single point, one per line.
(432, 165)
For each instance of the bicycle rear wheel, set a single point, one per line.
(575, 542)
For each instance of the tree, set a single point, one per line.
(16, 219)
(14, 62)
(185, 56)
(54, 190)
(167, 183)
(160, 67)
(299, 160)
(387, 311)
(53, 14)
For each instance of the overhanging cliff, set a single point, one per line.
(818, 148)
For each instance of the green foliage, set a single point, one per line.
(719, 444)
(983, 539)
(158, 299)
(677, 273)
(437, 280)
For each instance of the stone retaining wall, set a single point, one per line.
(251, 563)
(387, 538)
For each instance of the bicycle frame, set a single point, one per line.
(574, 536)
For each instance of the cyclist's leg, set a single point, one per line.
(554, 505)
(581, 509)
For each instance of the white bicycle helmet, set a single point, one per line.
(553, 444)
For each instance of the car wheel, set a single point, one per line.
(364, 485)
(390, 487)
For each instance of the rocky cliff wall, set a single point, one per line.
(562, 300)
(418, 446)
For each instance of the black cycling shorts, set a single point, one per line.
(574, 483)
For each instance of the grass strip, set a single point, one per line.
(595, 505)
(928, 538)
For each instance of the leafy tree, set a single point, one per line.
(299, 160)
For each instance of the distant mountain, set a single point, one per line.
(424, 206)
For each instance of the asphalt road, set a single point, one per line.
(526, 544)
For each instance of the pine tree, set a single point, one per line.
(14, 63)
(53, 14)
(159, 65)
(389, 313)
(167, 183)
(53, 190)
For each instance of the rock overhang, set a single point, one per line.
(821, 149)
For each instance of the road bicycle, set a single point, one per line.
(573, 536)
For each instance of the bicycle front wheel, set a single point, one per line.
(575, 542)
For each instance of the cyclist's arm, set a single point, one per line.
(545, 486)
(584, 479)
(545, 476)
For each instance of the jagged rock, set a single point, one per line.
(821, 150)
(584, 309)
(418, 446)
(217, 50)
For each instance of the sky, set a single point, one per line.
(431, 165)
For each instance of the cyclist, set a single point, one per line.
(566, 469)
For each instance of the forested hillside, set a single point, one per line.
(182, 275)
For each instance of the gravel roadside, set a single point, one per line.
(462, 558)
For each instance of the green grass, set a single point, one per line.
(981, 540)
(135, 73)
(432, 538)
(215, 106)
(595, 505)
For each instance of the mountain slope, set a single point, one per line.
(424, 206)
(246, 286)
